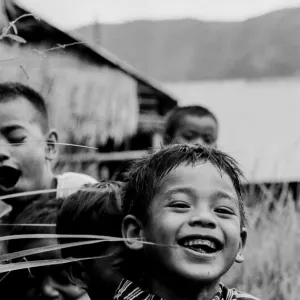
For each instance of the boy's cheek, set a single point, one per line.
(160, 232)
(26, 155)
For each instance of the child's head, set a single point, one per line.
(95, 210)
(191, 125)
(189, 199)
(46, 282)
(27, 145)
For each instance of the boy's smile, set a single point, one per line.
(204, 246)
(196, 212)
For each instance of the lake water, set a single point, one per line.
(259, 122)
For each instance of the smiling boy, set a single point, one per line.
(187, 200)
(193, 124)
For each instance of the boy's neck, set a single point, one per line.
(183, 290)
(52, 184)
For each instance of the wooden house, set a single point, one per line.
(95, 98)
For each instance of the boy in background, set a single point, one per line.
(191, 125)
(28, 146)
(95, 210)
(185, 202)
(50, 282)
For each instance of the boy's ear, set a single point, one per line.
(132, 231)
(240, 257)
(78, 275)
(52, 147)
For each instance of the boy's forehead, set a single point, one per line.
(206, 121)
(199, 175)
(17, 111)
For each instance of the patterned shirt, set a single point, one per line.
(127, 290)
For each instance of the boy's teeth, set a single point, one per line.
(200, 243)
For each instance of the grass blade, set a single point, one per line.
(19, 254)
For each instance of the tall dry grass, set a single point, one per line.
(271, 270)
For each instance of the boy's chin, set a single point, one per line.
(204, 274)
(204, 277)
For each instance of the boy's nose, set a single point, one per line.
(203, 219)
(200, 141)
(4, 151)
(48, 289)
(4, 154)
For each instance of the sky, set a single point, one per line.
(69, 14)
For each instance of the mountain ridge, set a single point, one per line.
(190, 49)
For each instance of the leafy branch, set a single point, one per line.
(12, 25)
(43, 52)
(14, 36)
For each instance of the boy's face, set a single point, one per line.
(24, 153)
(105, 272)
(49, 282)
(196, 213)
(196, 130)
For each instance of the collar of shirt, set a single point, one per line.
(128, 290)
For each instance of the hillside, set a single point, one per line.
(174, 50)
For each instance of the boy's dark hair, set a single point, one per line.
(12, 90)
(39, 212)
(177, 114)
(145, 175)
(96, 209)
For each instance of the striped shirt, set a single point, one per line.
(127, 290)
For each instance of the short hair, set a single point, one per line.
(174, 118)
(42, 211)
(12, 90)
(145, 175)
(94, 210)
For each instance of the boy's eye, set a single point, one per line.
(224, 211)
(16, 137)
(189, 136)
(208, 139)
(179, 204)
(60, 277)
(17, 140)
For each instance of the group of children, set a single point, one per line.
(176, 224)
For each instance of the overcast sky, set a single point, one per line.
(68, 14)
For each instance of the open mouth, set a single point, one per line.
(9, 177)
(204, 245)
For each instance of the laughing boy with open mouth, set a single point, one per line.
(186, 200)
(27, 148)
